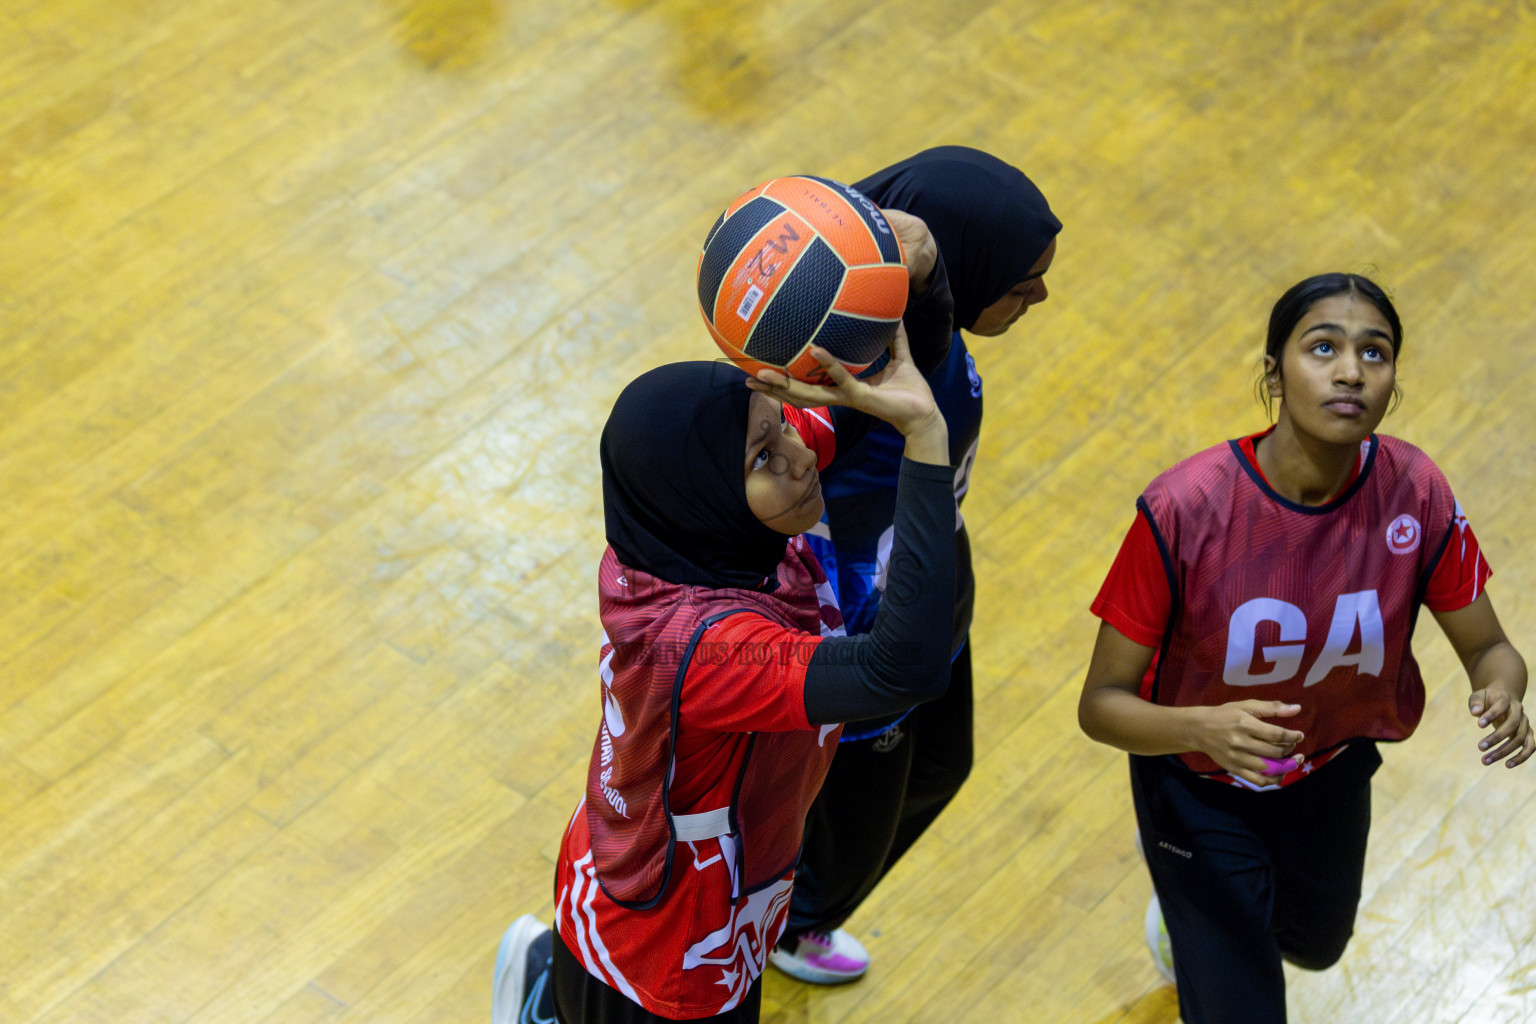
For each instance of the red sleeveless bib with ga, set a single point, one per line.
(653, 631)
(1311, 605)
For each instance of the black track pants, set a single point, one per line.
(1248, 878)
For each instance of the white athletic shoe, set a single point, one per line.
(823, 958)
(1157, 940)
(522, 974)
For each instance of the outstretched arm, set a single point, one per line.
(1498, 677)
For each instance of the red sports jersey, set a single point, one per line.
(1248, 595)
(674, 874)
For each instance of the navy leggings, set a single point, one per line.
(1248, 878)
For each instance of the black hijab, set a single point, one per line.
(990, 222)
(674, 494)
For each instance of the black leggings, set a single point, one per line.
(878, 797)
(583, 999)
(1246, 879)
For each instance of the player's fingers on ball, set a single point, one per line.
(834, 369)
(764, 388)
(786, 387)
(824, 357)
(813, 396)
(789, 397)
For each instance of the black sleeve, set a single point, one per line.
(904, 659)
(929, 319)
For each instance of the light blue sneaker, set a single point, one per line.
(520, 987)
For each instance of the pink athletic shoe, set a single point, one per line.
(823, 958)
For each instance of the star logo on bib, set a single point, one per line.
(1403, 535)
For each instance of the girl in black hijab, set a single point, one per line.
(723, 677)
(991, 224)
(997, 237)
(674, 503)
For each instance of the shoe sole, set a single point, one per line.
(507, 983)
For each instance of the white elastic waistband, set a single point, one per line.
(704, 825)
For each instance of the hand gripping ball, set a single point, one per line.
(802, 261)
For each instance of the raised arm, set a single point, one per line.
(904, 659)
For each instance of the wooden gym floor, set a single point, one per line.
(312, 312)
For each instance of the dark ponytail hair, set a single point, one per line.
(1302, 296)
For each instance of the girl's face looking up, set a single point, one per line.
(783, 487)
(1336, 371)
